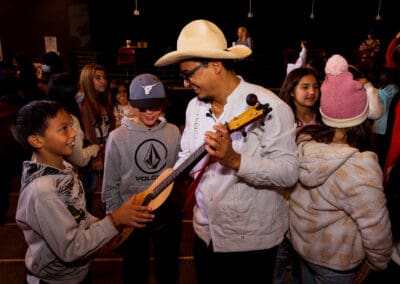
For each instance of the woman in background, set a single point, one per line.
(97, 120)
(244, 37)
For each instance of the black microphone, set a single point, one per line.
(209, 113)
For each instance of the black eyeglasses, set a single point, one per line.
(186, 74)
(154, 108)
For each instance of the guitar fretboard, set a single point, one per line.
(255, 112)
(190, 161)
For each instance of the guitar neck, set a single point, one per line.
(255, 112)
(194, 158)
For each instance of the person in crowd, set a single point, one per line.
(370, 46)
(392, 54)
(97, 121)
(122, 107)
(376, 109)
(316, 59)
(26, 74)
(301, 91)
(392, 194)
(243, 37)
(394, 145)
(393, 204)
(60, 233)
(11, 154)
(368, 56)
(80, 95)
(136, 154)
(240, 214)
(295, 61)
(245, 65)
(7, 70)
(50, 63)
(339, 223)
(62, 88)
(392, 57)
(387, 89)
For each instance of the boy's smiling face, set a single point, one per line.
(58, 140)
(149, 117)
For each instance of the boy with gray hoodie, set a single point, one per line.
(137, 153)
(60, 233)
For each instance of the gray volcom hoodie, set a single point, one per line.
(135, 156)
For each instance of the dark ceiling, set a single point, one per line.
(282, 23)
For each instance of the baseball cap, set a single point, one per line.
(147, 91)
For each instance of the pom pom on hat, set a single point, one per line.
(336, 65)
(344, 101)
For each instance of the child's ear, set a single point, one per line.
(35, 141)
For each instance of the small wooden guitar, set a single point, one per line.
(155, 195)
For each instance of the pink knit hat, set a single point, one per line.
(344, 101)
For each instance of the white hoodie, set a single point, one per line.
(338, 214)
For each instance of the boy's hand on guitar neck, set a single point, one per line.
(132, 215)
(219, 147)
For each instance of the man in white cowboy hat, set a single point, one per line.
(240, 215)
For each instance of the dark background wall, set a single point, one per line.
(103, 26)
(283, 23)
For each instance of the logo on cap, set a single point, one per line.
(147, 89)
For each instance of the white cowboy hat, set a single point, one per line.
(202, 39)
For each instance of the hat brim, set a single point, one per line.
(234, 52)
(344, 123)
(149, 103)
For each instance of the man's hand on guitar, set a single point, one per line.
(219, 146)
(132, 215)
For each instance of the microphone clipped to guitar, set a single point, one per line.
(156, 194)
